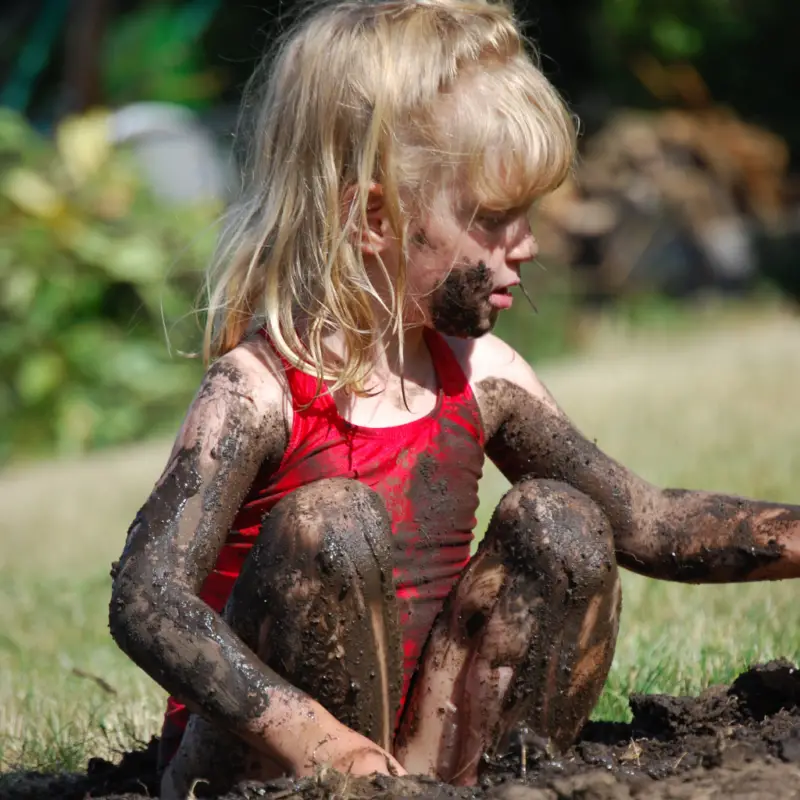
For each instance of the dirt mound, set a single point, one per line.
(740, 741)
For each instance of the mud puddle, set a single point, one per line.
(740, 741)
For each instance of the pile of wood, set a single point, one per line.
(671, 201)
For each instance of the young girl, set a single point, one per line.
(300, 578)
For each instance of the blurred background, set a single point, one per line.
(666, 290)
(116, 151)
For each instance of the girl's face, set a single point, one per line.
(462, 263)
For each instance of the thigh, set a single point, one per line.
(315, 601)
(526, 637)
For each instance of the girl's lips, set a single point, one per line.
(501, 299)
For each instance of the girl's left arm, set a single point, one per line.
(672, 534)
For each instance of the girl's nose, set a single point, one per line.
(525, 247)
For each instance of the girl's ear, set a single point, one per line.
(374, 237)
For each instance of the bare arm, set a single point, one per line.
(689, 536)
(235, 426)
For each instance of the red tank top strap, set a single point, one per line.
(459, 399)
(451, 376)
(306, 393)
(310, 400)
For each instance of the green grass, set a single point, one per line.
(714, 411)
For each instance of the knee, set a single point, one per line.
(548, 526)
(333, 524)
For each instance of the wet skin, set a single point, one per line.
(502, 652)
(677, 535)
(315, 601)
(233, 429)
(526, 638)
(155, 614)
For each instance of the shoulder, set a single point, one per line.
(243, 391)
(251, 371)
(499, 377)
(488, 357)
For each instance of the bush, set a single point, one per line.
(98, 283)
(94, 277)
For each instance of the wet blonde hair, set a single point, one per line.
(405, 93)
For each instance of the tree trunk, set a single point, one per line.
(82, 88)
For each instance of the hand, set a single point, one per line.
(348, 752)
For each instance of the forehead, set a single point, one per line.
(458, 200)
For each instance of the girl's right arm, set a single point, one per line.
(236, 425)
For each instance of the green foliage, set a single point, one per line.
(672, 29)
(93, 275)
(95, 280)
(721, 40)
(154, 53)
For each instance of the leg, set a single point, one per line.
(527, 636)
(315, 600)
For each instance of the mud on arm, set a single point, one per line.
(688, 536)
(235, 425)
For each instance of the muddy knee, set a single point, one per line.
(563, 600)
(553, 530)
(322, 523)
(316, 601)
(331, 535)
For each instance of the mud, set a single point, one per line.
(562, 541)
(688, 536)
(527, 636)
(741, 741)
(460, 305)
(434, 514)
(315, 602)
(155, 615)
(319, 583)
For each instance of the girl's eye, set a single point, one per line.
(493, 220)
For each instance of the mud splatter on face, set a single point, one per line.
(460, 305)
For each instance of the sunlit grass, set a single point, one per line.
(66, 691)
(717, 412)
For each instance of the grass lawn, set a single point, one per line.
(715, 411)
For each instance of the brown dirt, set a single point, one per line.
(741, 741)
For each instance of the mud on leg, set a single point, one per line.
(526, 638)
(315, 600)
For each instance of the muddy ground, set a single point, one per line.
(741, 741)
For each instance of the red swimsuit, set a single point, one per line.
(426, 472)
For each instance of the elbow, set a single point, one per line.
(645, 555)
(665, 560)
(641, 563)
(643, 542)
(146, 613)
(131, 610)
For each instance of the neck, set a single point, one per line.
(387, 359)
(386, 356)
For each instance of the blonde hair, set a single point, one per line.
(399, 92)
